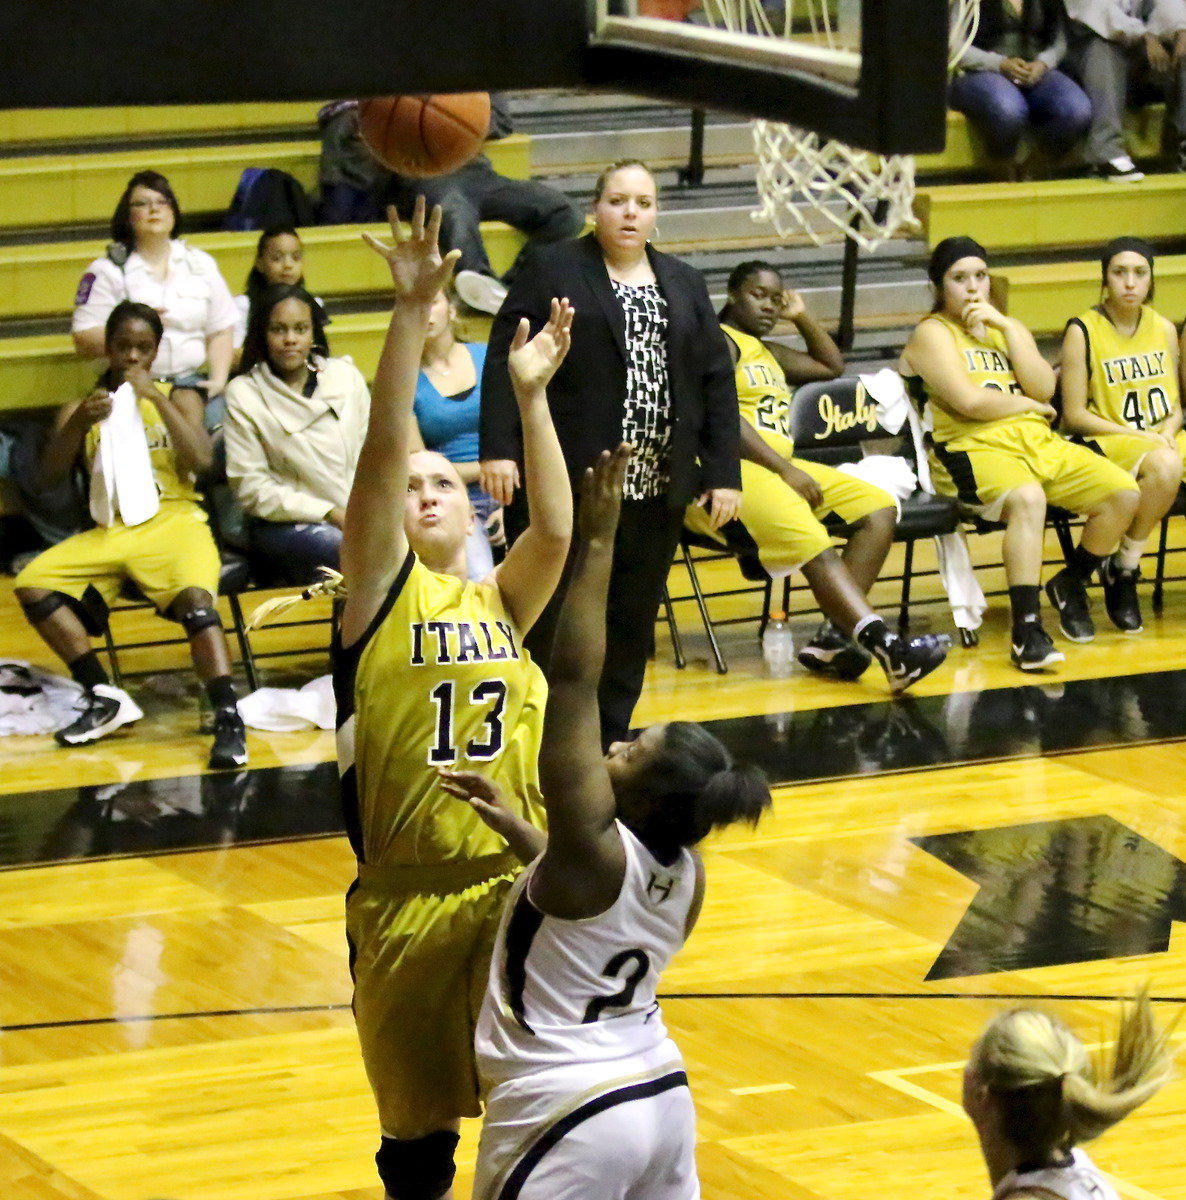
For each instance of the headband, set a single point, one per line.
(951, 250)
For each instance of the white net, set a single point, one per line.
(815, 186)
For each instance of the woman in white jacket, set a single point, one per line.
(295, 423)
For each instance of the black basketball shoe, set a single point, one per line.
(104, 710)
(1069, 596)
(1120, 595)
(906, 662)
(830, 653)
(1033, 649)
(230, 740)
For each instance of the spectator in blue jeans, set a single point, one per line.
(294, 427)
(477, 192)
(446, 406)
(1009, 83)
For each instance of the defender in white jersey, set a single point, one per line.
(586, 1095)
(1031, 1093)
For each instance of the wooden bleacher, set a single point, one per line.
(962, 153)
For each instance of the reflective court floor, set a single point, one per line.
(174, 998)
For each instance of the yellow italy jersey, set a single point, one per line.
(763, 395)
(169, 483)
(988, 366)
(1131, 380)
(440, 679)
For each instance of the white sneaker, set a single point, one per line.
(1119, 170)
(104, 709)
(481, 292)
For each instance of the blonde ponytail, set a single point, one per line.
(331, 584)
(1051, 1095)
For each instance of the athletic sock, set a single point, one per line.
(87, 670)
(1128, 553)
(1023, 600)
(871, 632)
(1084, 564)
(222, 692)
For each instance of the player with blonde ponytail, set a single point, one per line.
(1033, 1094)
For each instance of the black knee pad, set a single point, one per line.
(419, 1168)
(197, 619)
(38, 610)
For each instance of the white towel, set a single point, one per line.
(33, 701)
(890, 472)
(287, 710)
(122, 483)
(964, 593)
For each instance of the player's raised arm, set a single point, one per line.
(373, 543)
(582, 868)
(531, 570)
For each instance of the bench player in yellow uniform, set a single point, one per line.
(66, 591)
(429, 673)
(784, 499)
(1120, 394)
(985, 392)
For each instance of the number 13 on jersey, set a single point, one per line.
(491, 695)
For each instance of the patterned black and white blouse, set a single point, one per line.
(646, 424)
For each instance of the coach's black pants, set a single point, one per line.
(648, 533)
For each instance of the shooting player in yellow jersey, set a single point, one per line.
(1120, 393)
(430, 672)
(784, 499)
(985, 390)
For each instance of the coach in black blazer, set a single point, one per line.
(648, 364)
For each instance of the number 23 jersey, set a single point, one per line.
(439, 679)
(583, 991)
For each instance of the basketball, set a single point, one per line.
(425, 135)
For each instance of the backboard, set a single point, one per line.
(872, 74)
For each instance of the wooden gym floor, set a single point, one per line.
(174, 1000)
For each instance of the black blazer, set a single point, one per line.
(587, 395)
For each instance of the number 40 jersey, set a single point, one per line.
(566, 992)
(440, 679)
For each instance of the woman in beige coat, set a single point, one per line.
(294, 427)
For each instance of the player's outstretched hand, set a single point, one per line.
(484, 797)
(601, 495)
(418, 272)
(533, 362)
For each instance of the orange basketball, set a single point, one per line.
(425, 135)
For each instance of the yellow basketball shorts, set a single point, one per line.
(420, 963)
(163, 556)
(779, 524)
(981, 470)
(1128, 451)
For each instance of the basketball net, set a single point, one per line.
(811, 185)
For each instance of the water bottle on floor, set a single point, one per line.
(778, 646)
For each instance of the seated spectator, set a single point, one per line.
(170, 554)
(985, 391)
(349, 178)
(1009, 84)
(1120, 394)
(447, 403)
(784, 499)
(294, 426)
(146, 263)
(279, 258)
(476, 193)
(1119, 45)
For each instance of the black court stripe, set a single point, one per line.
(288, 1010)
(554, 1134)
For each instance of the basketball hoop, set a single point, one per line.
(815, 186)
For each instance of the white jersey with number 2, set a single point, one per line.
(1079, 1179)
(583, 991)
